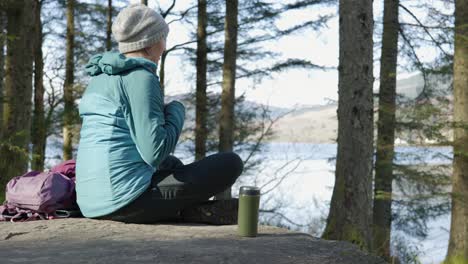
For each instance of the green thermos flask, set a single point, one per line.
(247, 220)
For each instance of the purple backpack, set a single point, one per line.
(41, 195)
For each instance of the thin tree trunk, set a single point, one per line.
(14, 151)
(458, 243)
(2, 64)
(226, 123)
(350, 216)
(382, 211)
(162, 71)
(201, 108)
(109, 26)
(38, 131)
(69, 107)
(145, 2)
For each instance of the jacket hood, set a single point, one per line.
(113, 63)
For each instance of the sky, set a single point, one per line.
(292, 88)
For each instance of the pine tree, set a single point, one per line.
(109, 26)
(69, 103)
(350, 216)
(422, 186)
(257, 20)
(2, 64)
(201, 100)
(38, 129)
(458, 244)
(14, 151)
(226, 122)
(382, 212)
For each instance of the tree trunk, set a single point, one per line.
(2, 64)
(145, 2)
(201, 109)
(382, 213)
(38, 131)
(109, 26)
(458, 243)
(226, 123)
(350, 216)
(69, 107)
(14, 151)
(162, 68)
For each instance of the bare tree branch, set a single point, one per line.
(178, 46)
(418, 64)
(425, 28)
(164, 14)
(282, 216)
(281, 179)
(182, 15)
(267, 130)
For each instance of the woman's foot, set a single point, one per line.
(214, 212)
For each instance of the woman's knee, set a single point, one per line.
(234, 165)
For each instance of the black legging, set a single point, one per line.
(176, 186)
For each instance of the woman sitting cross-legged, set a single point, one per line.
(124, 170)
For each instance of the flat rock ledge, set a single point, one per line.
(80, 240)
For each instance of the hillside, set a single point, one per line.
(319, 124)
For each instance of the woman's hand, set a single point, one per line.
(174, 106)
(175, 109)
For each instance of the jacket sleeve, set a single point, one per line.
(154, 128)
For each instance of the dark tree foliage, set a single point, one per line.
(422, 178)
(90, 38)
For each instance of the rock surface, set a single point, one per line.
(92, 241)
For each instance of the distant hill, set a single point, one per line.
(412, 86)
(318, 123)
(315, 124)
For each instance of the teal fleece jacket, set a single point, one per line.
(126, 132)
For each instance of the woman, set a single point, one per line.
(124, 170)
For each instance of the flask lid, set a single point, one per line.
(249, 190)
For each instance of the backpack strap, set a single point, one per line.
(19, 215)
(62, 214)
(4, 216)
(15, 214)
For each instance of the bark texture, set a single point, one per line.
(109, 26)
(458, 243)
(162, 71)
(2, 64)
(69, 103)
(382, 211)
(14, 151)
(201, 108)
(38, 130)
(226, 122)
(350, 216)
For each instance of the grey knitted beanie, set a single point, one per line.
(138, 26)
